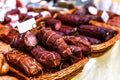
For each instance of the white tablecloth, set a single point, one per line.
(105, 67)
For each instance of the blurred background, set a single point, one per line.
(109, 5)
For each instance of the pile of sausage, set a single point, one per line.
(64, 40)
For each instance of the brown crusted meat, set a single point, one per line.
(69, 19)
(67, 30)
(98, 32)
(77, 41)
(23, 62)
(77, 51)
(24, 41)
(47, 58)
(53, 23)
(7, 34)
(54, 41)
(90, 39)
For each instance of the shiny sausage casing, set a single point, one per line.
(47, 58)
(54, 41)
(23, 62)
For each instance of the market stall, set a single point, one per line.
(49, 40)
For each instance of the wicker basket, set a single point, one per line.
(72, 70)
(62, 74)
(100, 49)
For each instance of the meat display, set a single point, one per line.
(23, 62)
(58, 41)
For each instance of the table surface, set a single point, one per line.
(105, 67)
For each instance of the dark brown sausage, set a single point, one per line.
(67, 30)
(23, 62)
(96, 32)
(81, 11)
(54, 41)
(13, 11)
(110, 33)
(53, 23)
(22, 17)
(8, 35)
(77, 41)
(7, 20)
(90, 39)
(86, 18)
(47, 58)
(77, 53)
(24, 41)
(60, 33)
(38, 16)
(69, 19)
(76, 50)
(93, 31)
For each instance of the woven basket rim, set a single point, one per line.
(64, 73)
(105, 45)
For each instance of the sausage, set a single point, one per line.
(110, 33)
(93, 31)
(7, 20)
(76, 50)
(38, 16)
(67, 30)
(24, 41)
(53, 23)
(69, 19)
(22, 17)
(86, 18)
(23, 62)
(13, 11)
(81, 11)
(101, 33)
(47, 58)
(28, 17)
(54, 41)
(60, 33)
(77, 41)
(90, 39)
(7, 34)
